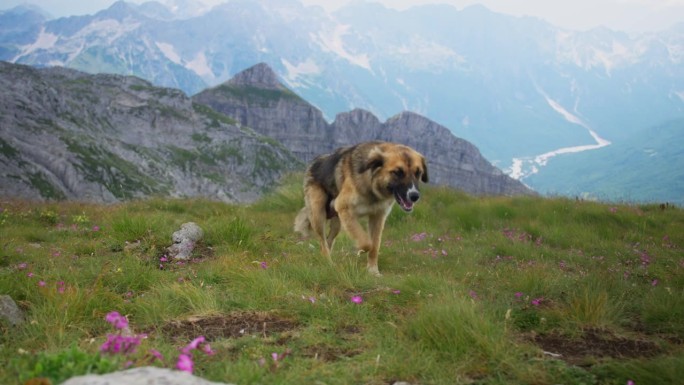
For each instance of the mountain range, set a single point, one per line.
(65, 134)
(542, 103)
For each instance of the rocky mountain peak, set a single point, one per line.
(120, 10)
(299, 127)
(258, 76)
(65, 134)
(357, 117)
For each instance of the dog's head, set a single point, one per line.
(396, 171)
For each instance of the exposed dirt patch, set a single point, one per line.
(233, 325)
(594, 344)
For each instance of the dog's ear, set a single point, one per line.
(424, 177)
(374, 161)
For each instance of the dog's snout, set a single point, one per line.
(414, 196)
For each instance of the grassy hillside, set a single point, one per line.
(474, 291)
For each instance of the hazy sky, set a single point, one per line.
(626, 15)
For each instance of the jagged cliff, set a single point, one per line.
(257, 99)
(105, 138)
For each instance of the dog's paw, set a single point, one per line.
(373, 270)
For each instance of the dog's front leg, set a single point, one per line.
(376, 224)
(350, 224)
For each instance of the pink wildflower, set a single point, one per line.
(118, 344)
(518, 294)
(96, 228)
(42, 283)
(30, 274)
(206, 348)
(117, 320)
(264, 265)
(184, 363)
(22, 266)
(418, 237)
(357, 299)
(194, 344)
(156, 354)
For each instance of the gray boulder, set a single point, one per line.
(184, 241)
(9, 310)
(147, 375)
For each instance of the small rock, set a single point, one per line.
(10, 311)
(184, 240)
(147, 375)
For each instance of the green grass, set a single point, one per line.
(471, 289)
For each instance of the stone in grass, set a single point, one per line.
(9, 310)
(147, 375)
(184, 240)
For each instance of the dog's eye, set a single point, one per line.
(418, 174)
(399, 173)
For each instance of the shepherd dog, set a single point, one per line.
(355, 182)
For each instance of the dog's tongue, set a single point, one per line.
(405, 205)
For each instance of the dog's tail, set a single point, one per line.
(301, 223)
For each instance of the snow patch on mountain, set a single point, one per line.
(333, 42)
(169, 52)
(423, 55)
(200, 66)
(680, 95)
(296, 72)
(106, 31)
(45, 40)
(608, 55)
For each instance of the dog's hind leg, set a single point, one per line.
(317, 199)
(334, 230)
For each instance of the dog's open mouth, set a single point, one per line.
(404, 203)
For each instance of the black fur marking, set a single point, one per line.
(322, 171)
(329, 209)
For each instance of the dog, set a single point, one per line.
(355, 182)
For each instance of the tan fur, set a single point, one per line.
(355, 182)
